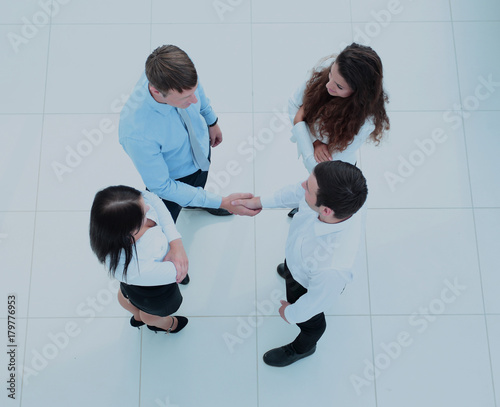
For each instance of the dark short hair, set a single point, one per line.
(116, 215)
(169, 67)
(341, 187)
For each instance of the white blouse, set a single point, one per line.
(147, 268)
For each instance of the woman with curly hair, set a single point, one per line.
(339, 107)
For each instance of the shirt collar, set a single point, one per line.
(323, 228)
(162, 108)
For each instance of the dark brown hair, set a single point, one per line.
(169, 67)
(340, 119)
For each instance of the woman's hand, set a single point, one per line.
(299, 116)
(178, 256)
(321, 152)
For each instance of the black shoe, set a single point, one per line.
(181, 323)
(186, 280)
(135, 323)
(217, 212)
(292, 213)
(284, 356)
(212, 211)
(281, 270)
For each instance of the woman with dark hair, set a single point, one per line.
(134, 236)
(340, 107)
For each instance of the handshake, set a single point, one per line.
(242, 204)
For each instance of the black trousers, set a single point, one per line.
(310, 330)
(198, 179)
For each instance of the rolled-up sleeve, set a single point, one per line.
(205, 108)
(164, 217)
(300, 131)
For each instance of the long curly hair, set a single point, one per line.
(340, 119)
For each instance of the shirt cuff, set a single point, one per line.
(212, 200)
(289, 314)
(268, 201)
(210, 117)
(172, 233)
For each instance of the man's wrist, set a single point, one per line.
(214, 123)
(175, 243)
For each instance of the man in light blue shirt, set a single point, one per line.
(167, 128)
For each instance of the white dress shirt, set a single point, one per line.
(304, 139)
(147, 268)
(320, 255)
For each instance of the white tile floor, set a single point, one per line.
(419, 326)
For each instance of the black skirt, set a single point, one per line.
(161, 300)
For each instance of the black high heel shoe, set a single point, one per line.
(135, 323)
(181, 323)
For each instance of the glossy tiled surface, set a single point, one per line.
(419, 325)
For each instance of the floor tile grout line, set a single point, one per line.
(365, 240)
(443, 208)
(473, 210)
(141, 347)
(249, 112)
(221, 112)
(257, 396)
(458, 315)
(170, 23)
(36, 204)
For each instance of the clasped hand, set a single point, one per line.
(242, 204)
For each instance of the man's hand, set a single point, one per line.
(250, 203)
(284, 304)
(177, 255)
(229, 203)
(215, 134)
(321, 153)
(299, 116)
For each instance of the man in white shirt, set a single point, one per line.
(321, 249)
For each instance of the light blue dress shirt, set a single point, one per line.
(155, 138)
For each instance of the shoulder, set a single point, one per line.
(151, 199)
(367, 127)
